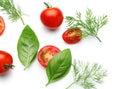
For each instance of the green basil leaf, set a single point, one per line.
(59, 66)
(27, 46)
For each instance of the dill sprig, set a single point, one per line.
(87, 75)
(90, 26)
(13, 13)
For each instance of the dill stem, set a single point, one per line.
(98, 38)
(20, 17)
(70, 85)
(22, 20)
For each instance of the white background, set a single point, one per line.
(105, 53)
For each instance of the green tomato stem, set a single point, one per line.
(47, 5)
(9, 66)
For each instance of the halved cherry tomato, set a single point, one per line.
(52, 17)
(46, 53)
(6, 61)
(2, 25)
(72, 36)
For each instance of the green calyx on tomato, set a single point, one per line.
(9, 66)
(51, 17)
(48, 5)
(46, 53)
(6, 61)
(72, 36)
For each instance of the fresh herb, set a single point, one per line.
(87, 75)
(59, 66)
(27, 47)
(90, 26)
(13, 12)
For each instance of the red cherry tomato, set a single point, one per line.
(2, 25)
(52, 17)
(46, 53)
(72, 36)
(6, 61)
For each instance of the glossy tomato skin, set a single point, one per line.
(2, 25)
(6, 61)
(46, 53)
(72, 36)
(52, 18)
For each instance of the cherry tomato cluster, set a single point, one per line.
(52, 18)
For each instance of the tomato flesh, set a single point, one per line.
(52, 18)
(46, 53)
(6, 61)
(72, 36)
(2, 25)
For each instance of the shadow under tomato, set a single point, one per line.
(50, 30)
(6, 74)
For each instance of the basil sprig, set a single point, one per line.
(27, 46)
(59, 66)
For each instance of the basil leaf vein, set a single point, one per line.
(27, 46)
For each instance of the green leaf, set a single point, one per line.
(27, 46)
(59, 66)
